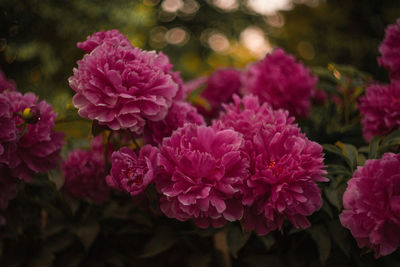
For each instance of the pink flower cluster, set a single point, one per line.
(253, 163)
(380, 109)
(36, 146)
(282, 82)
(28, 144)
(372, 205)
(85, 173)
(284, 166)
(121, 86)
(390, 50)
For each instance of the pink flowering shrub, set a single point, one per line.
(85, 173)
(372, 203)
(282, 82)
(122, 86)
(380, 109)
(390, 50)
(133, 173)
(180, 113)
(38, 148)
(284, 166)
(201, 173)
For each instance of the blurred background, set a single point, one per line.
(38, 38)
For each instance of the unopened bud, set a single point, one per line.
(31, 115)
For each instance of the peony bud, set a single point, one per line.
(31, 115)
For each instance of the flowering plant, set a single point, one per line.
(275, 163)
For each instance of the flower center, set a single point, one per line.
(277, 170)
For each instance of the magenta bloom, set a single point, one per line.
(201, 173)
(390, 50)
(372, 205)
(180, 113)
(132, 173)
(6, 84)
(39, 147)
(8, 186)
(380, 109)
(282, 82)
(284, 166)
(247, 116)
(98, 38)
(85, 173)
(122, 86)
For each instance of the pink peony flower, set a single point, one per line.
(180, 113)
(380, 109)
(85, 173)
(132, 173)
(282, 82)
(247, 116)
(372, 205)
(98, 38)
(36, 150)
(6, 84)
(284, 166)
(390, 50)
(122, 86)
(8, 186)
(201, 173)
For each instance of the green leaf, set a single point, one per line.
(373, 147)
(337, 151)
(236, 239)
(87, 233)
(163, 239)
(268, 241)
(321, 237)
(334, 169)
(351, 153)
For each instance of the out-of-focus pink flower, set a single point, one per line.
(8, 186)
(180, 113)
(201, 173)
(380, 109)
(122, 86)
(38, 149)
(219, 88)
(390, 50)
(320, 97)
(98, 38)
(372, 205)
(284, 166)
(133, 173)
(282, 82)
(85, 173)
(5, 84)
